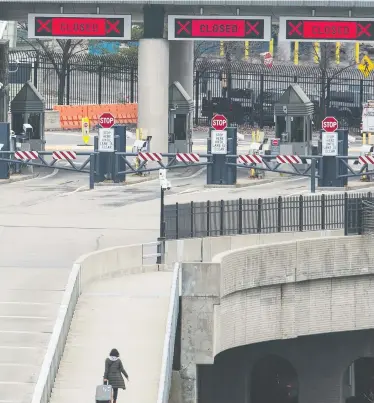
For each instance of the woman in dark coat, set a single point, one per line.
(113, 373)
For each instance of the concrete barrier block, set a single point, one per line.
(200, 279)
(52, 120)
(214, 245)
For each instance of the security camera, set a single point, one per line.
(1, 86)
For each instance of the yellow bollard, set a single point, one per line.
(253, 136)
(357, 52)
(296, 54)
(369, 138)
(258, 136)
(246, 50)
(86, 130)
(363, 138)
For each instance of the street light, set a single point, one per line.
(164, 185)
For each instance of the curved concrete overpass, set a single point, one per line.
(284, 292)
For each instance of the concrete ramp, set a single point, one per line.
(128, 313)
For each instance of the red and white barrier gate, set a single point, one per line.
(367, 159)
(187, 157)
(288, 159)
(64, 155)
(150, 157)
(250, 159)
(26, 155)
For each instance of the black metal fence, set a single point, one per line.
(245, 91)
(255, 216)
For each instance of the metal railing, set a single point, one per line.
(255, 216)
(169, 341)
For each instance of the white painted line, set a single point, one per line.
(55, 172)
(296, 193)
(72, 192)
(20, 347)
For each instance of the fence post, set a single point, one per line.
(197, 83)
(295, 79)
(207, 218)
(176, 221)
(192, 219)
(132, 85)
(92, 171)
(221, 218)
(240, 216)
(345, 213)
(301, 213)
(279, 215)
(100, 84)
(359, 216)
(323, 212)
(68, 83)
(261, 123)
(259, 215)
(36, 68)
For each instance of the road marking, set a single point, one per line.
(55, 172)
(297, 193)
(72, 192)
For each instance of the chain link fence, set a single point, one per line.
(245, 91)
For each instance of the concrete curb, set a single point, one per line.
(245, 185)
(20, 178)
(347, 188)
(127, 183)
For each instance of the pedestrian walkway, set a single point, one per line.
(128, 313)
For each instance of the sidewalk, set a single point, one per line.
(128, 313)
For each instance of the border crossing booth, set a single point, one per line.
(180, 119)
(27, 111)
(293, 116)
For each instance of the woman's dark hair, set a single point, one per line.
(114, 353)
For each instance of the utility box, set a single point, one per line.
(180, 119)
(293, 115)
(28, 107)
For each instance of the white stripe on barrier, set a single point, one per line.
(187, 157)
(64, 155)
(288, 159)
(26, 155)
(150, 156)
(250, 159)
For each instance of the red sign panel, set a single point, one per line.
(327, 29)
(329, 124)
(251, 28)
(219, 122)
(106, 120)
(87, 26)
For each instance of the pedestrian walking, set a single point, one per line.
(113, 373)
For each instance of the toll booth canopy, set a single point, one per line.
(293, 114)
(28, 106)
(180, 119)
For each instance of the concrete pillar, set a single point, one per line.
(153, 91)
(181, 64)
(284, 51)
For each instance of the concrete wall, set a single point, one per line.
(273, 292)
(204, 249)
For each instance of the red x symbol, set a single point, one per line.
(44, 25)
(112, 26)
(183, 27)
(364, 29)
(252, 27)
(295, 28)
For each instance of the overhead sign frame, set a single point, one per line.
(79, 26)
(326, 29)
(219, 27)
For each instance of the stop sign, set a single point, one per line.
(219, 122)
(106, 120)
(329, 124)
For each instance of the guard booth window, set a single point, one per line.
(180, 127)
(297, 129)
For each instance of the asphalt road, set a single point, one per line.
(48, 222)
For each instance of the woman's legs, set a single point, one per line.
(115, 394)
